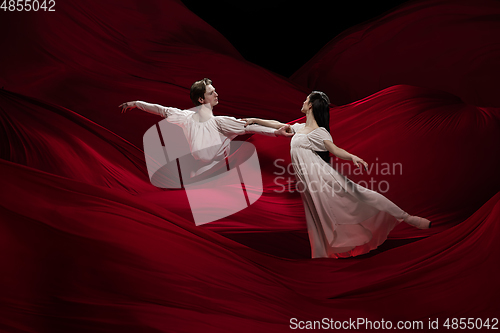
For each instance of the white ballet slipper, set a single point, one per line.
(417, 222)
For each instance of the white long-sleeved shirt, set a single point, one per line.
(209, 141)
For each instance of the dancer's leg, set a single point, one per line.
(380, 202)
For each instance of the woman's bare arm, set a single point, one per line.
(263, 122)
(343, 154)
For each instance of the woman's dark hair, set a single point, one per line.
(321, 111)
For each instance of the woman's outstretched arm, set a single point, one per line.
(233, 126)
(343, 154)
(263, 122)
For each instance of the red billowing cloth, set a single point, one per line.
(91, 58)
(89, 245)
(447, 45)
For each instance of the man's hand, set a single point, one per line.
(249, 121)
(284, 130)
(127, 105)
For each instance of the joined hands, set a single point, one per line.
(284, 130)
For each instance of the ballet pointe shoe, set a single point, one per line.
(417, 222)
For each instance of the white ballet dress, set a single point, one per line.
(343, 218)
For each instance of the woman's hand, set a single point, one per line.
(356, 160)
(284, 130)
(127, 105)
(249, 121)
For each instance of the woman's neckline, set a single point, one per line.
(309, 131)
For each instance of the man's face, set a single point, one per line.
(211, 97)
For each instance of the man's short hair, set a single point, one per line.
(198, 90)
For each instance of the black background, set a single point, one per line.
(283, 35)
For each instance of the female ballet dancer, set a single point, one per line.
(343, 218)
(209, 136)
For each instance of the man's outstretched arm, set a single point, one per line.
(156, 109)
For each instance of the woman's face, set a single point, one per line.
(307, 106)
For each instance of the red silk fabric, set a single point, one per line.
(446, 45)
(89, 245)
